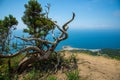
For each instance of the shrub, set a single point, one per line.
(73, 75)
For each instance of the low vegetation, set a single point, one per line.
(112, 53)
(42, 69)
(109, 53)
(73, 75)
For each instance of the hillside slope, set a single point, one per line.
(95, 67)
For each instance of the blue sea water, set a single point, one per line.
(92, 39)
(89, 39)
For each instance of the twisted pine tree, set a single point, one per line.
(39, 25)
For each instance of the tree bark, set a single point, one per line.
(27, 61)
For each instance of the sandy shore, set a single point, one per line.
(71, 48)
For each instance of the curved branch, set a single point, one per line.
(68, 21)
(37, 39)
(63, 33)
(65, 28)
(20, 52)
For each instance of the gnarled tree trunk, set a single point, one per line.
(40, 54)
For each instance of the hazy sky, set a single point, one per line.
(90, 14)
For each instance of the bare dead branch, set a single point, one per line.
(20, 52)
(63, 31)
(64, 26)
(37, 39)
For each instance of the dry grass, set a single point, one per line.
(94, 67)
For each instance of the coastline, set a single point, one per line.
(72, 48)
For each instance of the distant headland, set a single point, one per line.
(72, 48)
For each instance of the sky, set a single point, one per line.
(90, 14)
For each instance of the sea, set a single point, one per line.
(88, 39)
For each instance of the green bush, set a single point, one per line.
(52, 78)
(73, 75)
(112, 53)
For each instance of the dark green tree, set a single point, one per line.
(7, 25)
